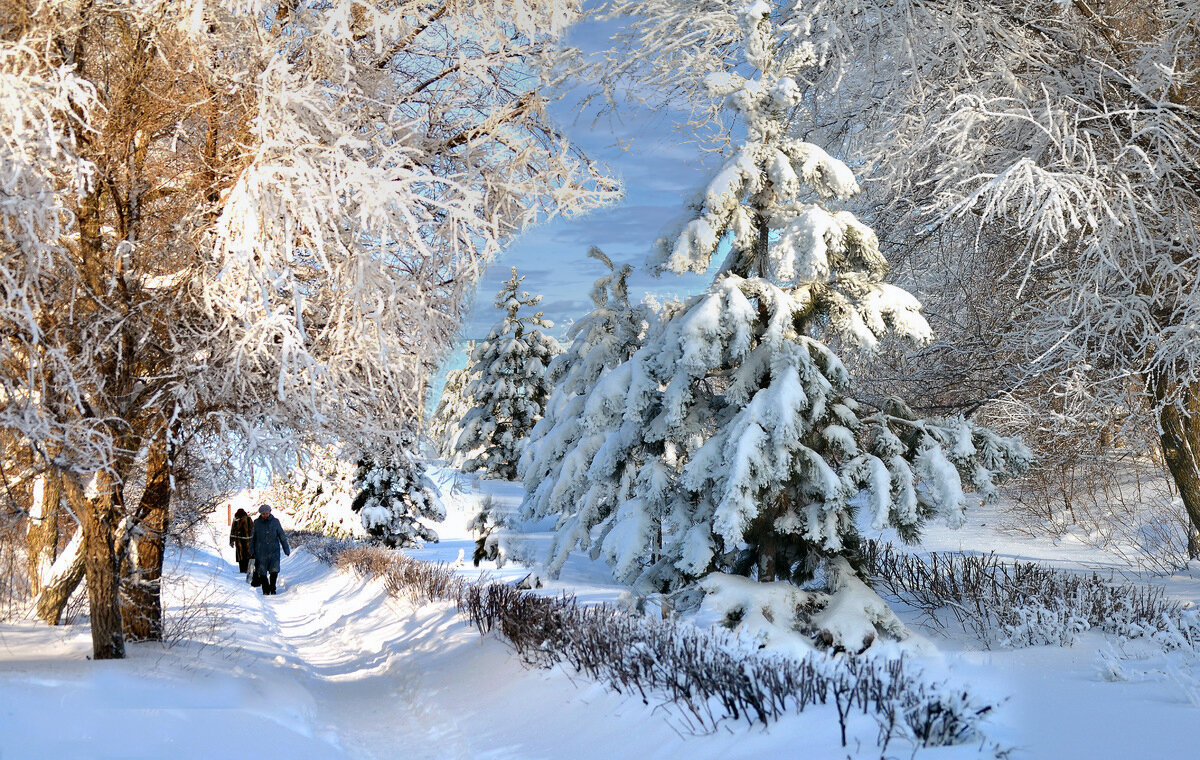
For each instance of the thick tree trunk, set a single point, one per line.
(41, 540)
(61, 582)
(767, 571)
(142, 589)
(99, 515)
(1180, 423)
(764, 537)
(98, 512)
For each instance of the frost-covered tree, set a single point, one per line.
(732, 440)
(446, 424)
(394, 497)
(317, 494)
(249, 216)
(510, 388)
(1061, 138)
(603, 339)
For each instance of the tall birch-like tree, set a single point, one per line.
(246, 217)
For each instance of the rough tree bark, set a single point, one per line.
(99, 514)
(61, 582)
(1179, 425)
(141, 587)
(41, 540)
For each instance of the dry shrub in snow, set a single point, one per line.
(707, 675)
(1101, 478)
(1129, 508)
(1026, 604)
(325, 548)
(194, 613)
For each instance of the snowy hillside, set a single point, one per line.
(332, 668)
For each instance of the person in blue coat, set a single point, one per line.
(265, 542)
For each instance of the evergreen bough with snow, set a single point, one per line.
(446, 424)
(605, 338)
(731, 442)
(394, 497)
(510, 388)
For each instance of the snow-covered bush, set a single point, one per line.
(931, 715)
(485, 527)
(509, 388)
(846, 616)
(732, 441)
(325, 548)
(394, 496)
(1036, 624)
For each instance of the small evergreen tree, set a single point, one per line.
(394, 496)
(484, 527)
(731, 441)
(510, 388)
(446, 424)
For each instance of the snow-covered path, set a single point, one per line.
(333, 668)
(329, 668)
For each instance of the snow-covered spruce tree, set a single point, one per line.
(1056, 144)
(446, 424)
(603, 339)
(510, 389)
(732, 441)
(394, 496)
(484, 527)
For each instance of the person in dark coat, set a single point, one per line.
(265, 542)
(239, 538)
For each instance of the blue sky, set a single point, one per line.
(660, 172)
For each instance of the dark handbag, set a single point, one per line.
(255, 579)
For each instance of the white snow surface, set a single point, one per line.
(332, 668)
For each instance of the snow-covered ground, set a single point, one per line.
(332, 668)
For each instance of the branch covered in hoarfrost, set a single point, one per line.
(260, 222)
